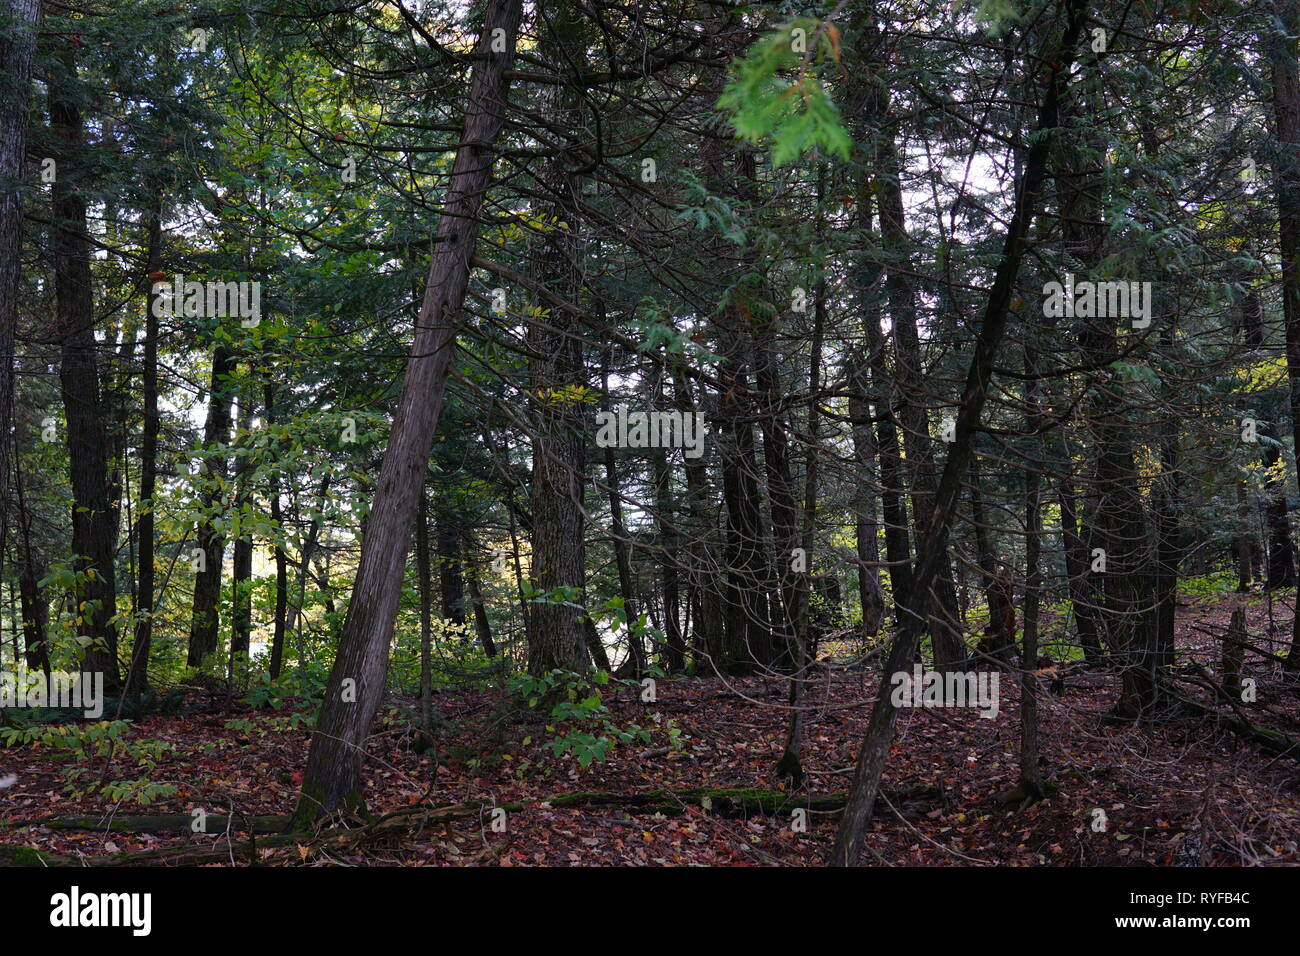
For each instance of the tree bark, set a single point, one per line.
(884, 715)
(333, 775)
(205, 613)
(481, 623)
(281, 559)
(1283, 53)
(93, 540)
(142, 645)
(560, 635)
(17, 46)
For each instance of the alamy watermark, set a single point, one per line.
(1128, 300)
(76, 909)
(667, 429)
(63, 690)
(922, 688)
(212, 299)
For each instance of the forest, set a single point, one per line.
(668, 433)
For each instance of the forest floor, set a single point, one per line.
(1188, 791)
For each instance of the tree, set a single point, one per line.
(332, 779)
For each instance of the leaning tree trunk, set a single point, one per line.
(481, 623)
(933, 549)
(945, 633)
(333, 775)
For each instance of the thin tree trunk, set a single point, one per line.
(138, 678)
(281, 559)
(870, 764)
(1031, 774)
(1000, 635)
(426, 616)
(481, 624)
(635, 663)
(705, 574)
(791, 764)
(1076, 571)
(211, 543)
(35, 607)
(871, 599)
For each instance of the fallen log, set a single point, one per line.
(159, 824)
(720, 801)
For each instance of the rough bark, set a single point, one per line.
(17, 45)
(1280, 40)
(333, 775)
(93, 540)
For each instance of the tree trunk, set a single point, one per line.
(1076, 571)
(635, 663)
(333, 775)
(451, 579)
(93, 540)
(281, 559)
(704, 573)
(945, 634)
(871, 599)
(17, 45)
(1283, 52)
(426, 615)
(138, 677)
(802, 650)
(1000, 634)
(211, 544)
(1031, 775)
(880, 730)
(35, 607)
(481, 624)
(559, 635)
(871, 376)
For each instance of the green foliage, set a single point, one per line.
(582, 723)
(1206, 585)
(93, 748)
(302, 689)
(796, 113)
